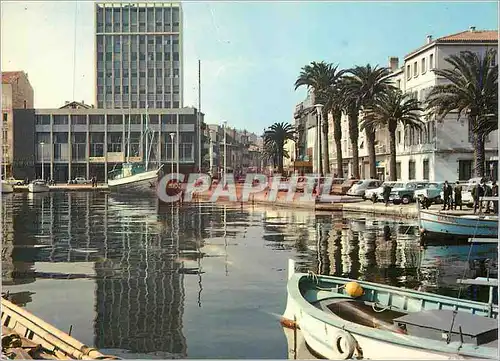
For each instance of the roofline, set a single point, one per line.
(449, 42)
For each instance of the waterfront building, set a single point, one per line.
(17, 93)
(138, 55)
(441, 150)
(305, 122)
(78, 140)
(243, 148)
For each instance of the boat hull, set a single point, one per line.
(142, 182)
(38, 188)
(433, 223)
(6, 188)
(332, 337)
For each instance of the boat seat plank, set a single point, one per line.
(483, 240)
(471, 324)
(479, 281)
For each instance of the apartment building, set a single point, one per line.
(138, 55)
(440, 150)
(17, 93)
(78, 140)
(305, 122)
(243, 149)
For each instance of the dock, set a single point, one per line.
(68, 188)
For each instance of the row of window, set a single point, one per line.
(121, 57)
(112, 137)
(44, 119)
(113, 15)
(412, 169)
(107, 41)
(135, 90)
(79, 151)
(124, 74)
(126, 28)
(424, 66)
(125, 104)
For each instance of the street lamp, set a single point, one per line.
(319, 108)
(172, 136)
(225, 148)
(211, 151)
(43, 165)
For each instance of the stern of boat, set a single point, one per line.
(289, 318)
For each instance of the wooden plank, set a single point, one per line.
(486, 199)
(480, 281)
(483, 240)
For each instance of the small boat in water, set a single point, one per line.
(25, 336)
(38, 186)
(7, 187)
(342, 319)
(470, 225)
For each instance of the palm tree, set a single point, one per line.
(390, 110)
(320, 78)
(366, 84)
(275, 138)
(472, 90)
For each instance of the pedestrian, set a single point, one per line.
(386, 192)
(447, 193)
(458, 195)
(494, 193)
(487, 193)
(477, 193)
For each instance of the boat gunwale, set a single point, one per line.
(117, 182)
(405, 340)
(465, 216)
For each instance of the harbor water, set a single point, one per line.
(140, 279)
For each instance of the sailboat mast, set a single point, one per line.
(146, 134)
(128, 140)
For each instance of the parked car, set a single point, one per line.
(433, 192)
(79, 180)
(404, 192)
(376, 194)
(343, 187)
(358, 189)
(15, 182)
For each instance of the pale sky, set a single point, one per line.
(251, 52)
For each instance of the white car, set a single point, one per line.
(79, 180)
(376, 194)
(358, 189)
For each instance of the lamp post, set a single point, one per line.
(225, 149)
(172, 137)
(211, 152)
(43, 165)
(319, 108)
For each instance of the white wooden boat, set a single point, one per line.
(342, 319)
(38, 186)
(133, 177)
(25, 336)
(6, 187)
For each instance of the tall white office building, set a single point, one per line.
(138, 55)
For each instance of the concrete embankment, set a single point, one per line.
(69, 188)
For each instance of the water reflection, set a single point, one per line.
(159, 277)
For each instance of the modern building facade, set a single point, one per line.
(17, 93)
(440, 150)
(138, 55)
(80, 141)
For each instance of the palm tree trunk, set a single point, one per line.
(353, 135)
(392, 150)
(337, 135)
(326, 155)
(372, 159)
(479, 154)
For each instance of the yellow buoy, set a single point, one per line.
(354, 289)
